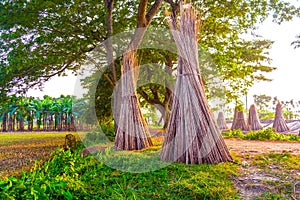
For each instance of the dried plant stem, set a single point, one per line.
(193, 136)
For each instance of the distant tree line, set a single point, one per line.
(47, 114)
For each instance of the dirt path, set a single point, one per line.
(270, 177)
(261, 147)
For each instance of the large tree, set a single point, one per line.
(132, 132)
(44, 38)
(41, 39)
(193, 136)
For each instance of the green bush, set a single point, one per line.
(265, 134)
(233, 133)
(101, 135)
(69, 176)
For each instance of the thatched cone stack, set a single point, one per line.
(132, 132)
(221, 121)
(234, 118)
(192, 136)
(239, 121)
(253, 120)
(279, 124)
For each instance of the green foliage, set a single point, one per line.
(69, 176)
(43, 39)
(265, 114)
(59, 112)
(233, 133)
(266, 134)
(262, 101)
(103, 134)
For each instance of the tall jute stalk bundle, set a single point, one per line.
(192, 136)
(221, 121)
(234, 118)
(239, 122)
(253, 120)
(132, 131)
(279, 124)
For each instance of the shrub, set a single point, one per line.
(266, 134)
(69, 176)
(104, 134)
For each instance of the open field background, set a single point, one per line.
(19, 151)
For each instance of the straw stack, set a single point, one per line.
(279, 124)
(192, 136)
(239, 121)
(132, 131)
(221, 121)
(253, 120)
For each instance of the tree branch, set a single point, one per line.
(141, 21)
(153, 10)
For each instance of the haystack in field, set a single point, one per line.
(234, 118)
(193, 136)
(221, 121)
(239, 122)
(132, 132)
(279, 124)
(253, 120)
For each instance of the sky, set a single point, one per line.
(286, 79)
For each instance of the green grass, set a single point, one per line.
(266, 134)
(285, 161)
(69, 176)
(15, 137)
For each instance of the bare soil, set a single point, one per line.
(262, 147)
(255, 181)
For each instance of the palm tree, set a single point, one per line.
(46, 104)
(4, 115)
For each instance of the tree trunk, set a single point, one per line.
(38, 121)
(29, 119)
(10, 123)
(29, 125)
(45, 122)
(31, 122)
(17, 123)
(132, 131)
(4, 120)
(21, 124)
(193, 136)
(14, 123)
(51, 123)
(253, 120)
(234, 118)
(279, 124)
(66, 122)
(239, 122)
(221, 121)
(72, 124)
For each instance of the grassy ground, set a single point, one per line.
(269, 176)
(19, 151)
(105, 175)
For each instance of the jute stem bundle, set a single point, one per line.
(239, 122)
(221, 121)
(279, 124)
(234, 118)
(192, 136)
(253, 120)
(132, 131)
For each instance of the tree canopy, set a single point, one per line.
(40, 39)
